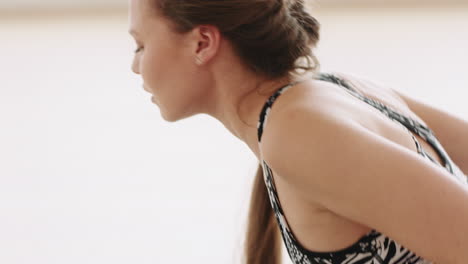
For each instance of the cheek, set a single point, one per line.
(150, 68)
(164, 67)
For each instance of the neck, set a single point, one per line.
(237, 105)
(235, 96)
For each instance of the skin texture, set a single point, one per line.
(451, 130)
(398, 193)
(181, 87)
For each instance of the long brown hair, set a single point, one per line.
(273, 38)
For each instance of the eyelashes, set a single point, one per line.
(138, 49)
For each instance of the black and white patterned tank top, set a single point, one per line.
(374, 247)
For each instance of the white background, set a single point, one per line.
(90, 172)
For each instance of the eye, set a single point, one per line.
(138, 49)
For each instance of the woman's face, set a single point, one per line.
(165, 61)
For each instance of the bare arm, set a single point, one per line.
(367, 178)
(450, 130)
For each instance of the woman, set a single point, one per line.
(350, 171)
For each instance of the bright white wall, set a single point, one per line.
(90, 173)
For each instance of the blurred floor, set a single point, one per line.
(91, 173)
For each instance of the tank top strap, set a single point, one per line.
(423, 131)
(408, 122)
(267, 107)
(418, 128)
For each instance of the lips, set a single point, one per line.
(154, 100)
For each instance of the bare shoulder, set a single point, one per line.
(450, 129)
(372, 88)
(334, 161)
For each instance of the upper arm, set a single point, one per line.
(371, 180)
(450, 130)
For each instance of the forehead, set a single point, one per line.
(139, 12)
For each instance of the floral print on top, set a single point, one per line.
(374, 247)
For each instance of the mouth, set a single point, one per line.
(154, 100)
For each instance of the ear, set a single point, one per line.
(207, 42)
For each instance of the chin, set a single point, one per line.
(175, 111)
(174, 118)
(168, 117)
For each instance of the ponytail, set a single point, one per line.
(263, 240)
